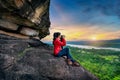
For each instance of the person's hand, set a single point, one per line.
(62, 36)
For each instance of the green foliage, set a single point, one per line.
(105, 64)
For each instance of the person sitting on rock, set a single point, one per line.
(59, 52)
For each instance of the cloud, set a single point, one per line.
(58, 16)
(107, 7)
(91, 12)
(96, 12)
(77, 32)
(81, 19)
(109, 35)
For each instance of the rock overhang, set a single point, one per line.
(26, 17)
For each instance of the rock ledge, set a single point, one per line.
(21, 59)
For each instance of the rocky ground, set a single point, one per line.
(30, 59)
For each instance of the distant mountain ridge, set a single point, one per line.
(113, 40)
(115, 43)
(117, 40)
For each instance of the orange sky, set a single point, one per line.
(82, 33)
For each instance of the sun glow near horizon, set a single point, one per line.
(93, 38)
(77, 33)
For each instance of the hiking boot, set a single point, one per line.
(76, 64)
(69, 62)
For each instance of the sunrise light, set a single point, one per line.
(94, 38)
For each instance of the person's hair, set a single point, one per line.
(55, 35)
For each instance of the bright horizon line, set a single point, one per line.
(88, 40)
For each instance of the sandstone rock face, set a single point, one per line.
(25, 16)
(19, 60)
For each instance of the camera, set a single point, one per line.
(62, 36)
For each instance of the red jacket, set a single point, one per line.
(57, 45)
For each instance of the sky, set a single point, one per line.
(85, 19)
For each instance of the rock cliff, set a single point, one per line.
(26, 17)
(30, 59)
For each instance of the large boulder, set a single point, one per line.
(26, 17)
(23, 60)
